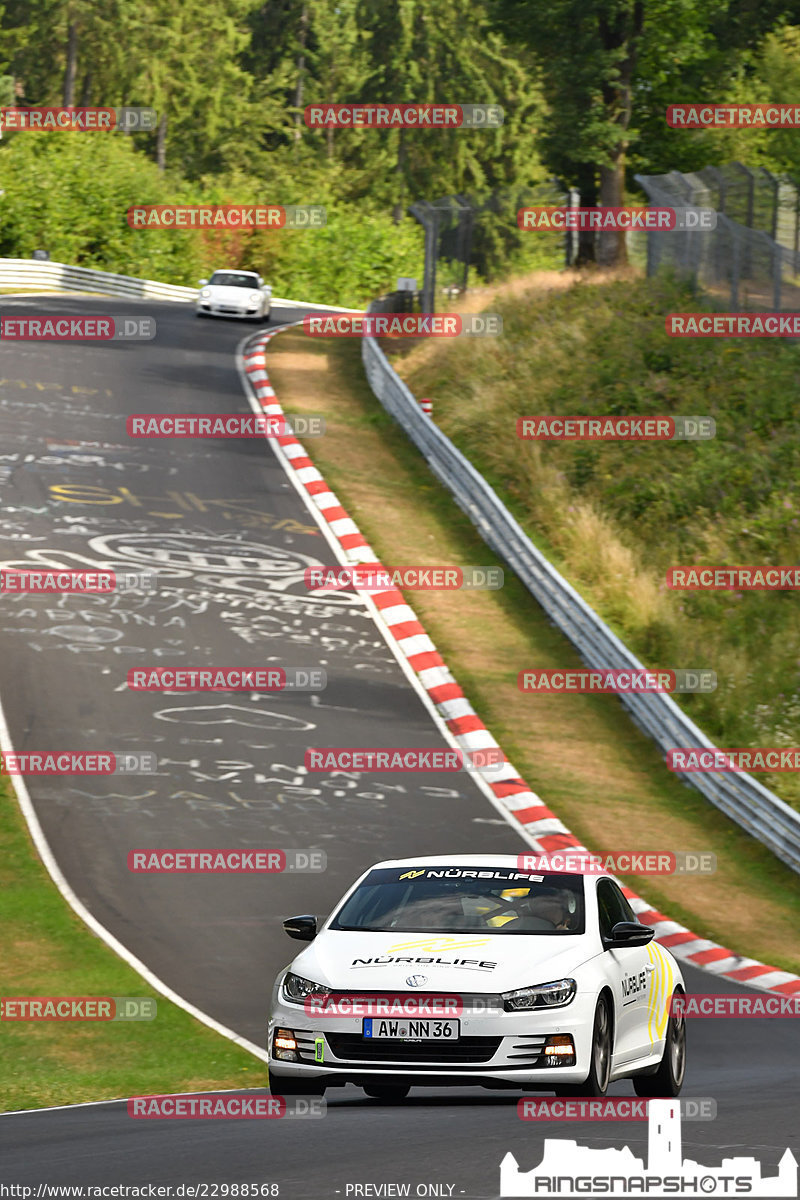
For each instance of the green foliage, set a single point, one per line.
(69, 194)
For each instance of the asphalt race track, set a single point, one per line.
(230, 538)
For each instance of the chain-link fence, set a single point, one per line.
(481, 232)
(751, 260)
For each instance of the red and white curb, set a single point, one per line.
(521, 806)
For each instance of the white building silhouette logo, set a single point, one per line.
(568, 1169)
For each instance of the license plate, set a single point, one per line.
(410, 1029)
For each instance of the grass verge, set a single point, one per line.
(613, 517)
(46, 950)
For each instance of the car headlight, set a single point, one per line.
(541, 995)
(205, 293)
(298, 989)
(255, 297)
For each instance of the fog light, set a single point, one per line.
(559, 1051)
(284, 1045)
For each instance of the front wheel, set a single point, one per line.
(668, 1079)
(390, 1094)
(600, 1070)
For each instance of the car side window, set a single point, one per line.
(612, 906)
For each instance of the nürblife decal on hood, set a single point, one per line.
(387, 960)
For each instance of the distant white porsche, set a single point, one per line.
(241, 294)
(467, 970)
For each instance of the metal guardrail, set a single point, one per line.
(739, 796)
(32, 273)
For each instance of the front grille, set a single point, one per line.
(354, 1048)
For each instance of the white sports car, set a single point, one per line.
(467, 970)
(240, 294)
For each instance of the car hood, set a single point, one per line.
(230, 295)
(467, 963)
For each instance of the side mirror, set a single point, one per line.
(202, 282)
(629, 933)
(303, 929)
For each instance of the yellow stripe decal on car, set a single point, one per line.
(658, 1006)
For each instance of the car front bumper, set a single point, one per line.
(494, 1048)
(227, 310)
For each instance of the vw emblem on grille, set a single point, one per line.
(416, 980)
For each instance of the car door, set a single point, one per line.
(631, 976)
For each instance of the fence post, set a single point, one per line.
(777, 276)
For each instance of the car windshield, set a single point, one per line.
(234, 279)
(497, 900)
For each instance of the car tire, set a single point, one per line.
(282, 1085)
(667, 1081)
(388, 1093)
(597, 1081)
